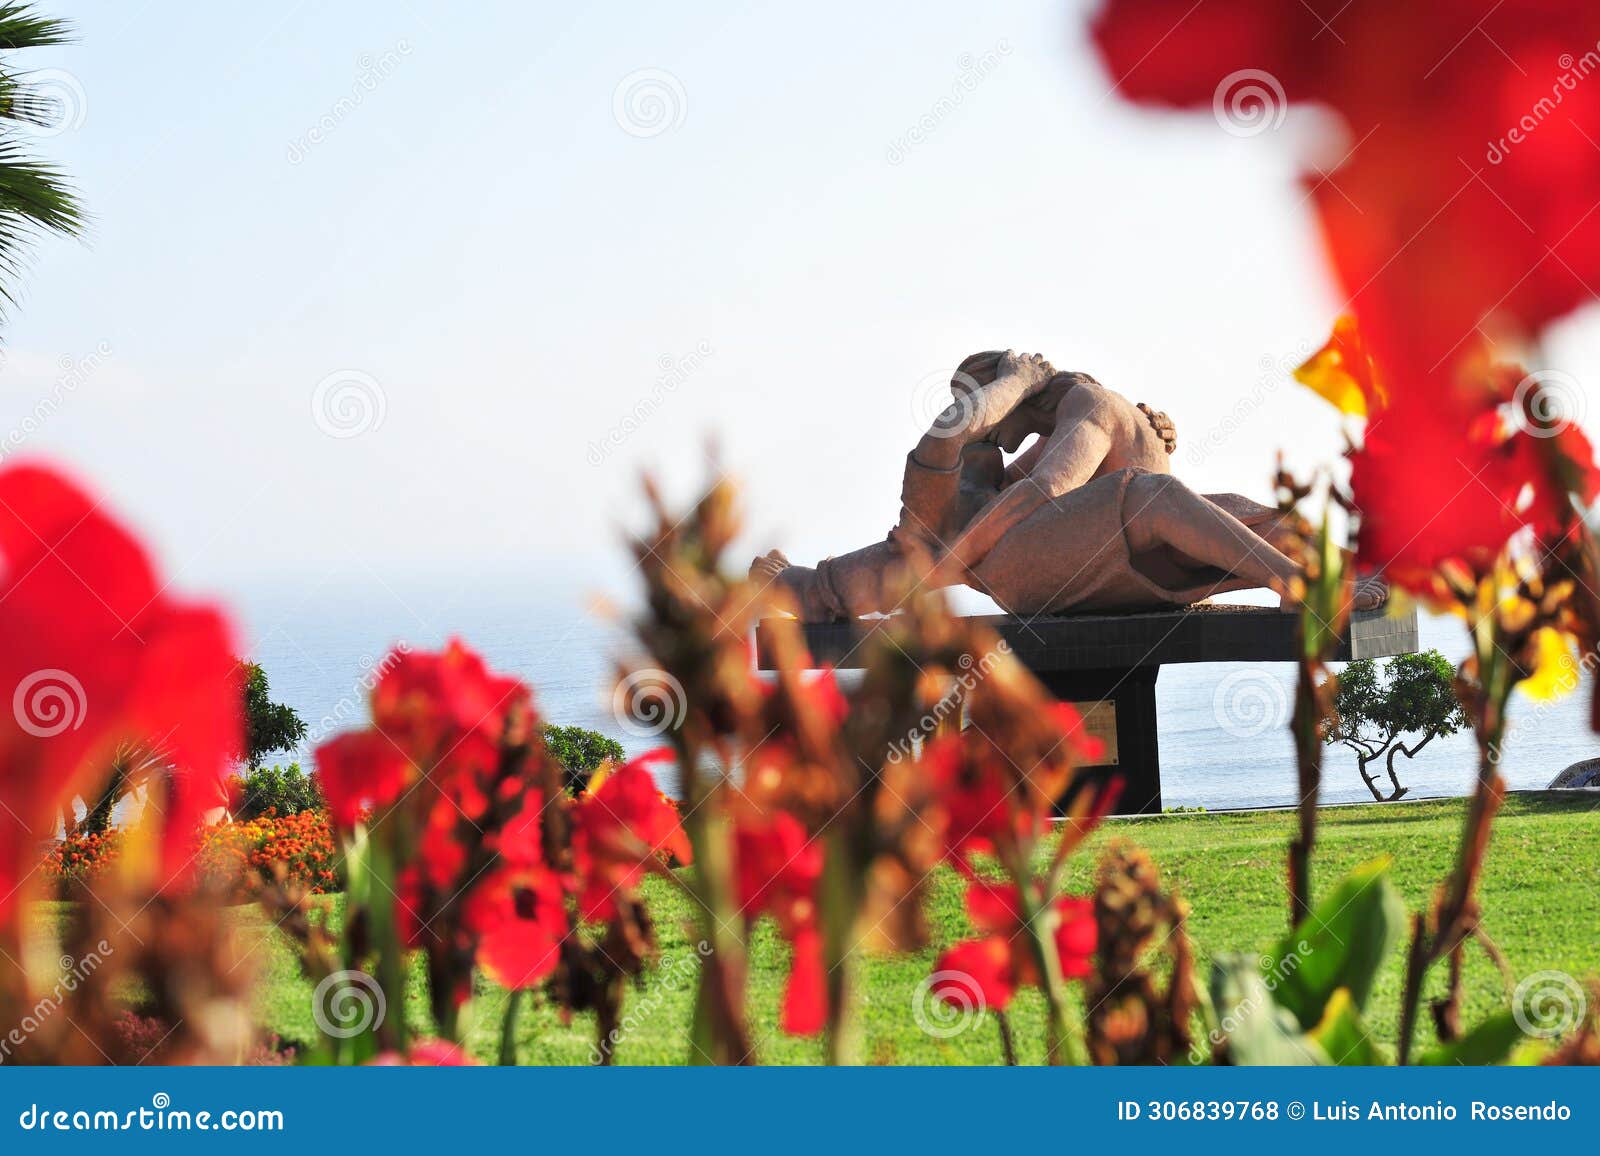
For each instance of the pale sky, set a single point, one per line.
(454, 217)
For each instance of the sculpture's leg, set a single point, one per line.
(869, 580)
(1279, 528)
(1162, 513)
(1275, 525)
(865, 581)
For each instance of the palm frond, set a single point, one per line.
(22, 27)
(35, 197)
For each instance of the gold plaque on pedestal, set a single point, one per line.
(1100, 721)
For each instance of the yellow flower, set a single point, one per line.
(1342, 372)
(1556, 669)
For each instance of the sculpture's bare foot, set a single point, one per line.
(801, 583)
(768, 566)
(1371, 592)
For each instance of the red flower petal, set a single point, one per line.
(805, 996)
(519, 919)
(978, 973)
(97, 654)
(360, 769)
(994, 907)
(1076, 936)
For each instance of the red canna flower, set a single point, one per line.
(778, 868)
(439, 719)
(1493, 470)
(448, 768)
(620, 829)
(97, 654)
(1444, 208)
(518, 917)
(999, 962)
(358, 770)
(986, 805)
(1462, 206)
(430, 703)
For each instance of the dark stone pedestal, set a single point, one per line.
(1132, 695)
(1116, 658)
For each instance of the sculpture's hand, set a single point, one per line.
(1030, 368)
(1018, 377)
(1162, 424)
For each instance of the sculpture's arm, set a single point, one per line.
(975, 416)
(1069, 458)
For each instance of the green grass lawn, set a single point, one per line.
(1541, 895)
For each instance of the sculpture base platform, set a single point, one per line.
(1108, 664)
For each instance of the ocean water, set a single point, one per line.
(1224, 736)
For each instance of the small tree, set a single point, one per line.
(268, 726)
(1414, 694)
(580, 752)
(281, 790)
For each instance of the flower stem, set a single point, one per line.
(840, 900)
(1038, 920)
(508, 1029)
(1455, 913)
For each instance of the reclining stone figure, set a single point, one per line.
(1088, 518)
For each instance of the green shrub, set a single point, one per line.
(580, 752)
(281, 790)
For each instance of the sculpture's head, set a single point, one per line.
(1036, 415)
